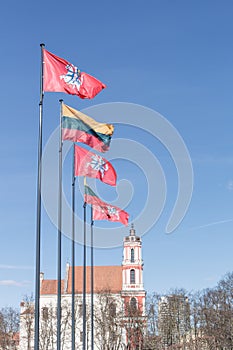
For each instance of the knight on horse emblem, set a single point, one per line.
(98, 163)
(72, 77)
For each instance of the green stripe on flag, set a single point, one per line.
(77, 124)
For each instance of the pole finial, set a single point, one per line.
(85, 181)
(132, 230)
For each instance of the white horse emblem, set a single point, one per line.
(97, 163)
(72, 77)
(113, 212)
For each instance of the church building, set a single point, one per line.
(119, 305)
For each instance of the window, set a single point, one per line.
(45, 313)
(133, 304)
(112, 309)
(132, 255)
(132, 276)
(80, 310)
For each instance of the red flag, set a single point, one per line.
(110, 213)
(104, 211)
(62, 76)
(92, 165)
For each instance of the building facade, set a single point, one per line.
(119, 305)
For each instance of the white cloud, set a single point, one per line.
(13, 283)
(212, 224)
(15, 267)
(230, 185)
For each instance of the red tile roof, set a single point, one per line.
(50, 287)
(106, 278)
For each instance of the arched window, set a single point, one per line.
(132, 276)
(133, 304)
(132, 255)
(45, 313)
(112, 309)
(80, 310)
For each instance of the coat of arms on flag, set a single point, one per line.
(72, 77)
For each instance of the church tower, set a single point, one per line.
(132, 271)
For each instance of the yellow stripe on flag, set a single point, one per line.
(102, 128)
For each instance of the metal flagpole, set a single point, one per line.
(73, 251)
(92, 283)
(59, 235)
(38, 219)
(84, 272)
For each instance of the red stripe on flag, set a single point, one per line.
(81, 136)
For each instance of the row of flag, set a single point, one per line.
(61, 76)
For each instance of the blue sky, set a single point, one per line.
(174, 57)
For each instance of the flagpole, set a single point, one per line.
(84, 272)
(59, 235)
(92, 283)
(73, 251)
(38, 218)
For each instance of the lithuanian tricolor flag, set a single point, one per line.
(78, 127)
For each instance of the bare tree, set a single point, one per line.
(65, 324)
(216, 315)
(203, 321)
(108, 316)
(174, 318)
(9, 327)
(47, 327)
(152, 339)
(27, 321)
